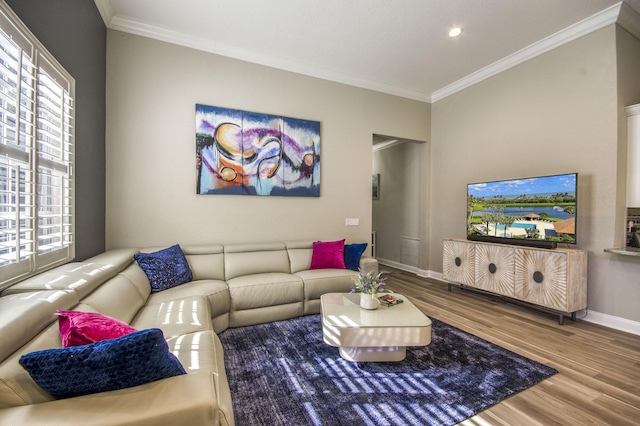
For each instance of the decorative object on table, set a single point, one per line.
(249, 153)
(375, 186)
(368, 284)
(293, 371)
(368, 301)
(389, 300)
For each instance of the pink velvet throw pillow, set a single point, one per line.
(83, 328)
(328, 254)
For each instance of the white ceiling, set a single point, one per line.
(399, 47)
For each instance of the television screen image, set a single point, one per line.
(530, 211)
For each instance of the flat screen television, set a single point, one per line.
(537, 211)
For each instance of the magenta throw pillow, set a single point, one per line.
(328, 254)
(83, 328)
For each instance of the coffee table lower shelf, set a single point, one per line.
(372, 354)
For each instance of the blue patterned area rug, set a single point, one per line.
(282, 373)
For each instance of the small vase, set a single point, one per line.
(368, 301)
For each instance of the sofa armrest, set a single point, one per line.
(187, 399)
(369, 264)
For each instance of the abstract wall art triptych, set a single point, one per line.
(248, 153)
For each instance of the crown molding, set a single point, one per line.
(106, 11)
(620, 13)
(150, 31)
(629, 19)
(600, 20)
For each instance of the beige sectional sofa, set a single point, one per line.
(233, 285)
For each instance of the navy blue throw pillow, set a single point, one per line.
(131, 360)
(352, 255)
(165, 268)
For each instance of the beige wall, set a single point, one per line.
(152, 89)
(557, 113)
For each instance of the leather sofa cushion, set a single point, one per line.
(300, 257)
(260, 290)
(17, 328)
(320, 281)
(176, 317)
(118, 298)
(16, 385)
(266, 314)
(216, 292)
(206, 266)
(202, 352)
(206, 261)
(369, 264)
(138, 278)
(248, 259)
(195, 351)
(189, 399)
(80, 277)
(120, 258)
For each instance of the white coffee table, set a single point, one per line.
(378, 335)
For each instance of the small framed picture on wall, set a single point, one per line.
(375, 186)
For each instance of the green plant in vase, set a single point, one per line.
(368, 284)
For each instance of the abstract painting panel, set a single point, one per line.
(248, 153)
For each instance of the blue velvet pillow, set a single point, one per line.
(352, 255)
(165, 268)
(131, 360)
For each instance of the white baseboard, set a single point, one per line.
(398, 265)
(606, 320)
(423, 273)
(614, 322)
(432, 274)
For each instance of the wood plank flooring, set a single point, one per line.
(599, 368)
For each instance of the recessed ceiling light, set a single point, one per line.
(455, 32)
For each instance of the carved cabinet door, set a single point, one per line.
(541, 278)
(494, 269)
(458, 262)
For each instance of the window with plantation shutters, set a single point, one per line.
(36, 155)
